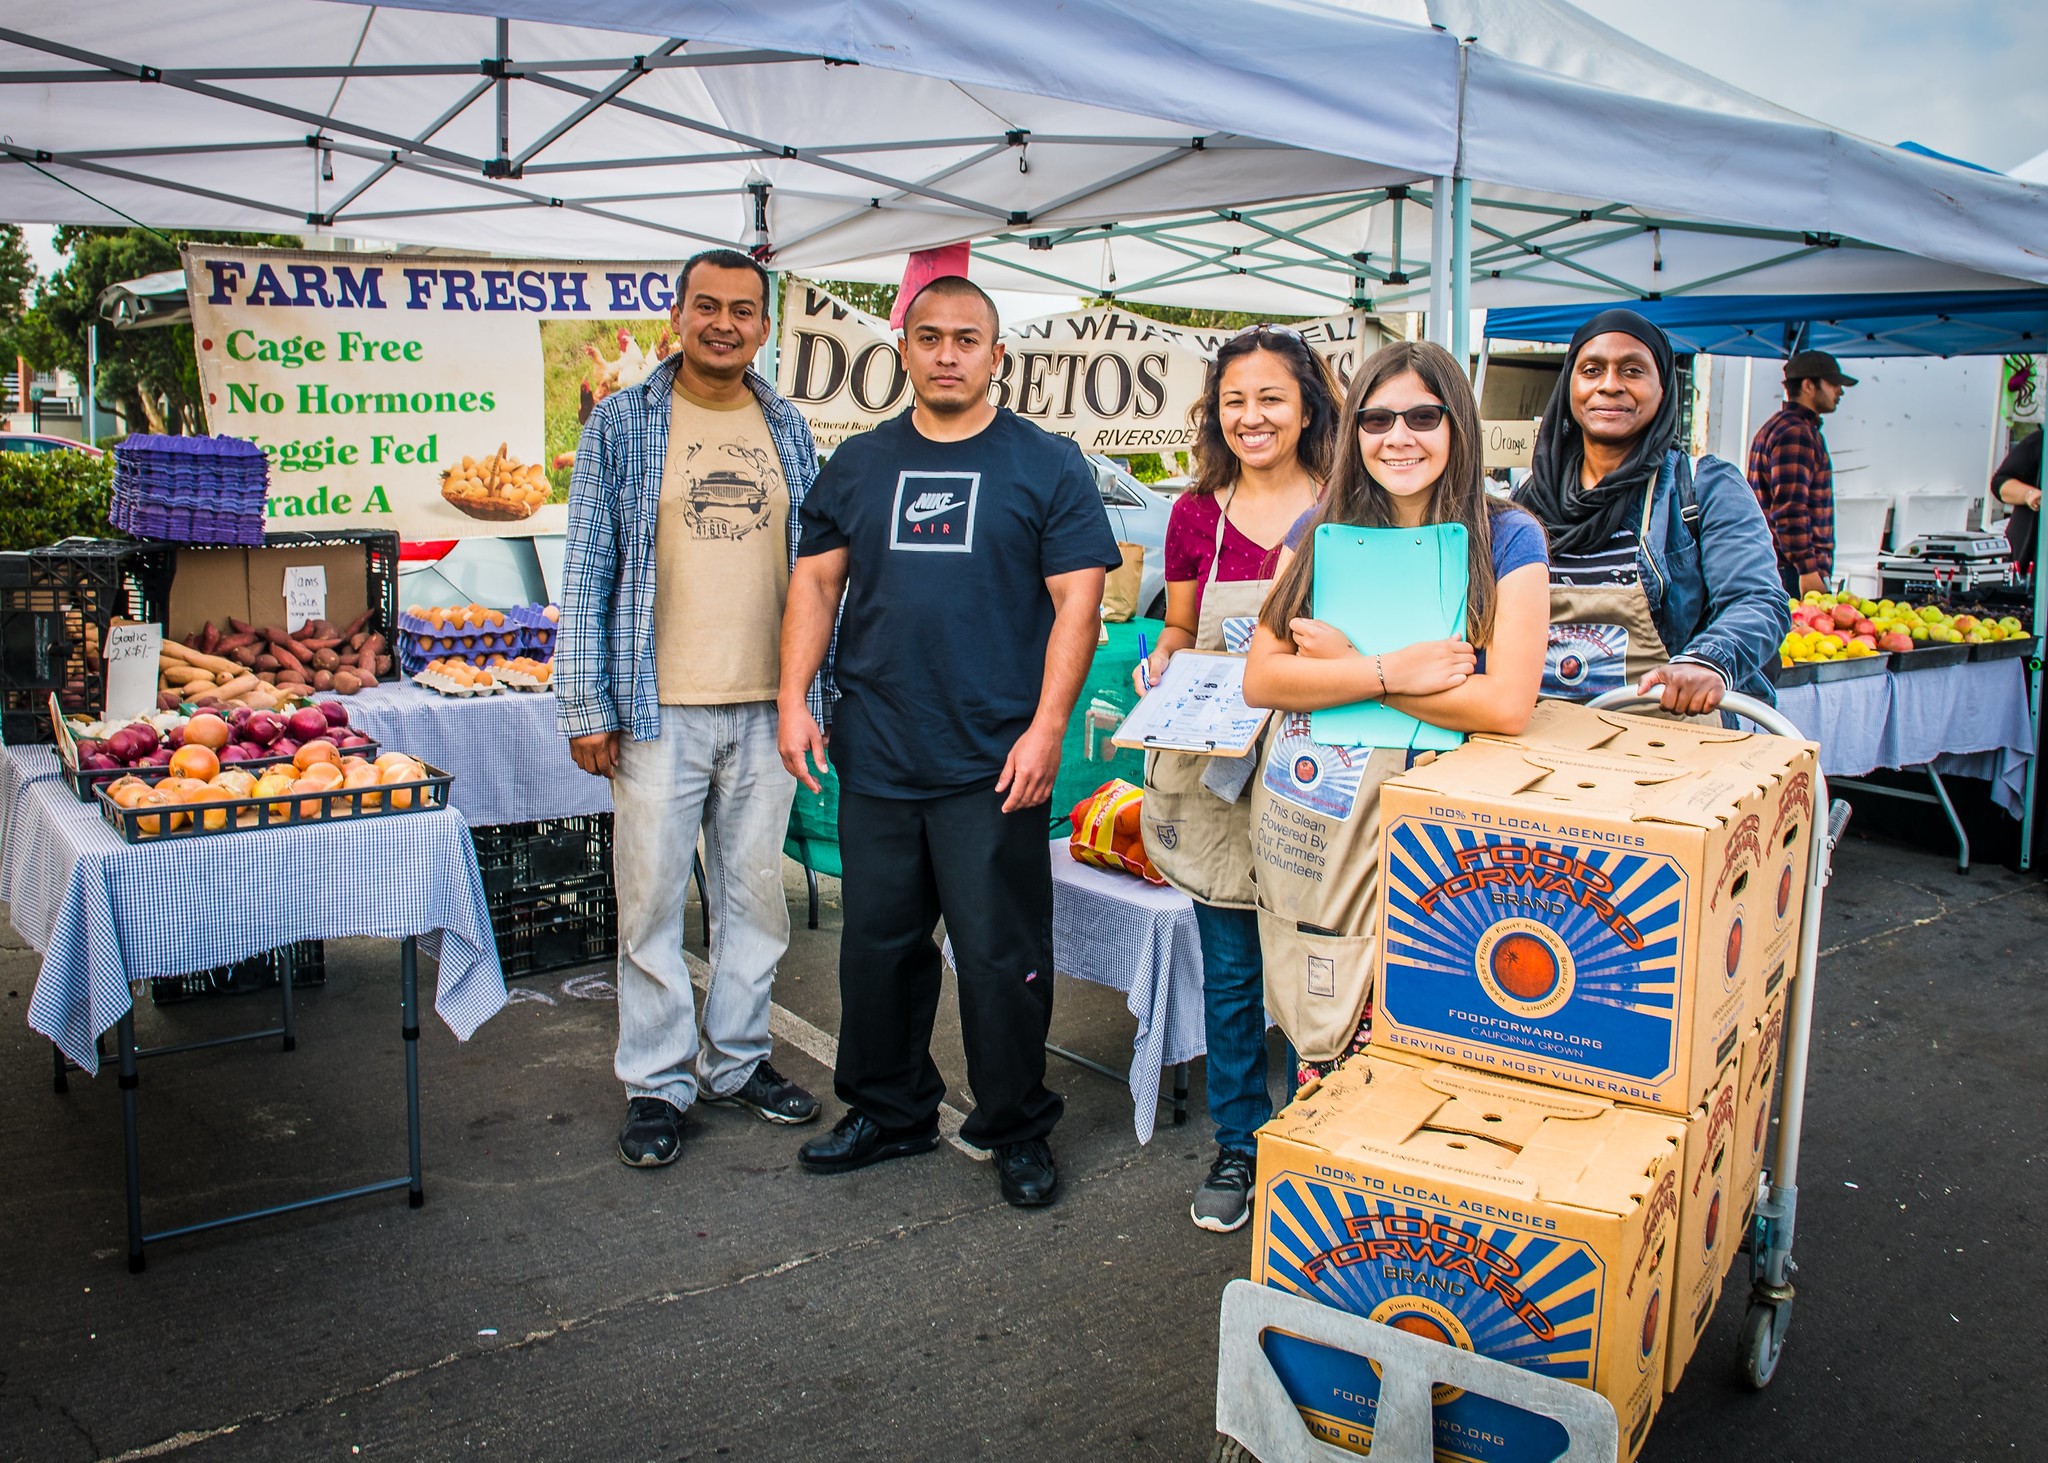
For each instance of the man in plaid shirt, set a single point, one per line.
(683, 527)
(1792, 476)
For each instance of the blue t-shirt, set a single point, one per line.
(942, 638)
(1518, 540)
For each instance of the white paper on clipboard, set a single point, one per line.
(1198, 707)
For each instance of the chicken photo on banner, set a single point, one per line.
(585, 361)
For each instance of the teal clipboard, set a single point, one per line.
(1388, 589)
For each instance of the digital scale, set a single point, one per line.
(1943, 565)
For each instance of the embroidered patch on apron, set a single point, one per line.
(1584, 661)
(1313, 775)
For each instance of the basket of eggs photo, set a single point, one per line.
(498, 488)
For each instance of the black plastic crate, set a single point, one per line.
(56, 606)
(306, 962)
(557, 931)
(519, 860)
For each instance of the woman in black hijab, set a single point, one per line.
(1662, 573)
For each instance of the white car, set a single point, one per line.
(507, 571)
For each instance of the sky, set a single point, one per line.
(1965, 77)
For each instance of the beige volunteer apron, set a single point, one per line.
(1199, 842)
(1315, 814)
(1602, 637)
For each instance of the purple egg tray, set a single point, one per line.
(186, 525)
(220, 474)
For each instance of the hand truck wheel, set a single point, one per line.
(1763, 1340)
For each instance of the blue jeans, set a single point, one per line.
(714, 770)
(1234, 1018)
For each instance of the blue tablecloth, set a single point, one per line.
(104, 912)
(510, 760)
(1966, 720)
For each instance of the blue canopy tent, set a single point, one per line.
(1935, 323)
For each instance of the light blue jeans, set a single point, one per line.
(714, 769)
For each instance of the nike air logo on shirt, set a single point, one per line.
(931, 505)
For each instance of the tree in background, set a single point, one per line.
(151, 376)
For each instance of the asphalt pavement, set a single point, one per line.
(549, 1303)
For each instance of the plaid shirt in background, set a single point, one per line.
(604, 654)
(1795, 483)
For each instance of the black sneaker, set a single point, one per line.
(1224, 1202)
(1028, 1174)
(652, 1134)
(770, 1095)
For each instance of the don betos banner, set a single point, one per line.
(1114, 381)
(438, 397)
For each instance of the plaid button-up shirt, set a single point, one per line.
(604, 655)
(1795, 483)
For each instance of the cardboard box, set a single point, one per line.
(1710, 1208)
(248, 584)
(1584, 905)
(1524, 1223)
(1762, 1048)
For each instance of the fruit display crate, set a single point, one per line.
(380, 567)
(86, 782)
(558, 930)
(56, 607)
(2018, 649)
(518, 860)
(304, 962)
(1929, 657)
(161, 821)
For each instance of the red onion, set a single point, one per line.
(334, 711)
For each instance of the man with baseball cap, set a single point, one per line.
(1791, 474)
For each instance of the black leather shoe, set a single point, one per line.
(1030, 1179)
(652, 1134)
(857, 1140)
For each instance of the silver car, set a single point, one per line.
(507, 571)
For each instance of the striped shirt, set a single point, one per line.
(604, 655)
(1795, 483)
(1615, 564)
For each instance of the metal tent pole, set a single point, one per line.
(2033, 779)
(1440, 262)
(92, 383)
(1461, 269)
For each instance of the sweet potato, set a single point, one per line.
(233, 642)
(368, 680)
(268, 678)
(287, 658)
(355, 627)
(356, 642)
(383, 665)
(266, 662)
(243, 655)
(376, 644)
(238, 686)
(173, 651)
(347, 682)
(209, 638)
(323, 680)
(241, 627)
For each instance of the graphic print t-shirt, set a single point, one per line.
(721, 556)
(942, 639)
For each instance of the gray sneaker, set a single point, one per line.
(770, 1095)
(1224, 1202)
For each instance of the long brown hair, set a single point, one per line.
(1353, 497)
(1216, 465)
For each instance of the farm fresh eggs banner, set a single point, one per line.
(437, 397)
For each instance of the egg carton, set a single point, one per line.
(517, 680)
(447, 685)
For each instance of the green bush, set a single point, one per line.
(49, 496)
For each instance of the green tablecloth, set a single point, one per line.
(1106, 699)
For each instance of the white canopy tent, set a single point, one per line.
(1267, 154)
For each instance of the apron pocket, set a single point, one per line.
(1317, 984)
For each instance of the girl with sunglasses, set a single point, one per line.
(1265, 430)
(1410, 458)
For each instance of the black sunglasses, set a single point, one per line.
(1378, 420)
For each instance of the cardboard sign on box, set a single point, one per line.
(249, 584)
(1521, 1222)
(1710, 1207)
(1590, 904)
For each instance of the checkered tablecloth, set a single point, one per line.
(510, 760)
(1118, 931)
(105, 912)
(1967, 720)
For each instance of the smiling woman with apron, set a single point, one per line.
(1315, 809)
(1658, 568)
(1264, 430)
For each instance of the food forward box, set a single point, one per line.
(1595, 904)
(1762, 1046)
(1710, 1214)
(1524, 1223)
